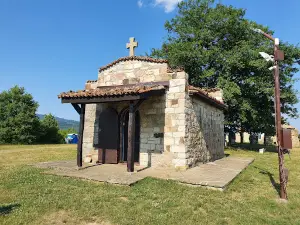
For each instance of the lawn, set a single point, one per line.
(29, 197)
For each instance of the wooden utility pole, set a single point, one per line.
(278, 56)
(80, 138)
(130, 152)
(282, 178)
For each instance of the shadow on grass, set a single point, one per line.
(7, 209)
(271, 177)
(253, 147)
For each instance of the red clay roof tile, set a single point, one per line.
(204, 93)
(111, 91)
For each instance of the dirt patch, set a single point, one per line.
(66, 218)
(125, 199)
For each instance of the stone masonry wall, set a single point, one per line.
(204, 132)
(132, 72)
(90, 130)
(175, 129)
(152, 124)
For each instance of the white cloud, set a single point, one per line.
(140, 3)
(169, 5)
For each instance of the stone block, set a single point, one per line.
(179, 95)
(149, 78)
(178, 134)
(181, 128)
(152, 147)
(88, 159)
(179, 110)
(167, 148)
(168, 140)
(155, 72)
(169, 110)
(95, 157)
(180, 116)
(168, 133)
(107, 78)
(156, 129)
(181, 75)
(181, 155)
(151, 111)
(178, 148)
(129, 75)
(137, 65)
(128, 66)
(170, 96)
(174, 102)
(175, 89)
(180, 122)
(159, 147)
(145, 146)
(177, 82)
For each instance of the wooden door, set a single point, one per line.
(108, 139)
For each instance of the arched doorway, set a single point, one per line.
(124, 140)
(108, 136)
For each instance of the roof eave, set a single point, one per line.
(209, 100)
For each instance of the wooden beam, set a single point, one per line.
(137, 105)
(76, 107)
(91, 100)
(130, 149)
(80, 140)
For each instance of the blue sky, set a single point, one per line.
(54, 46)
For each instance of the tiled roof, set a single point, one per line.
(207, 90)
(204, 94)
(130, 58)
(111, 91)
(91, 81)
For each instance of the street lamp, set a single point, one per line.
(278, 55)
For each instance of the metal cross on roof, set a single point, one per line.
(131, 45)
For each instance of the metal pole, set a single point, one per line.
(283, 193)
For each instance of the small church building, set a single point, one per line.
(141, 111)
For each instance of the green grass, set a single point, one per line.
(29, 197)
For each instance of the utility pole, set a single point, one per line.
(282, 178)
(278, 56)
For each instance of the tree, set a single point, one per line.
(18, 120)
(49, 132)
(215, 45)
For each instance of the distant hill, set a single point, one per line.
(63, 123)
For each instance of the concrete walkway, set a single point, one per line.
(217, 174)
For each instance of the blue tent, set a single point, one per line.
(71, 139)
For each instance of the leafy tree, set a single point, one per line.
(216, 46)
(50, 131)
(18, 121)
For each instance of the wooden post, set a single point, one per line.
(130, 149)
(242, 137)
(80, 139)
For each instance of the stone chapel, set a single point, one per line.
(140, 111)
